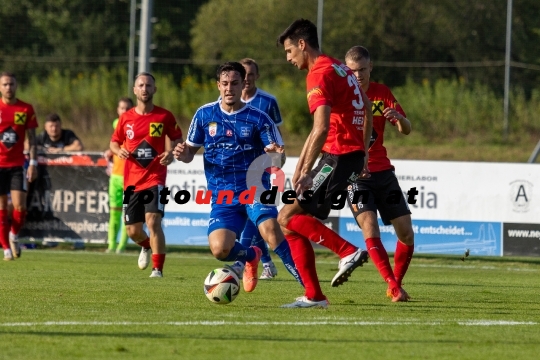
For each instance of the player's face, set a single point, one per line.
(8, 87)
(295, 53)
(122, 107)
(361, 69)
(144, 89)
(230, 87)
(251, 77)
(53, 129)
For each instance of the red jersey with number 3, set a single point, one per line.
(14, 121)
(144, 137)
(381, 98)
(331, 83)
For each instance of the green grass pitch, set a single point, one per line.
(92, 305)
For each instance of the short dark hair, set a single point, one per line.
(145, 74)
(7, 73)
(126, 100)
(54, 117)
(356, 53)
(249, 61)
(301, 29)
(231, 66)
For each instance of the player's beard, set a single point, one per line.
(147, 100)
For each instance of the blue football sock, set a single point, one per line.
(241, 253)
(251, 237)
(284, 253)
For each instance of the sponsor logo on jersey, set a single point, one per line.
(245, 132)
(315, 91)
(377, 106)
(212, 129)
(229, 132)
(20, 118)
(144, 154)
(129, 133)
(339, 70)
(156, 129)
(9, 138)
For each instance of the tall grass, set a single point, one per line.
(440, 111)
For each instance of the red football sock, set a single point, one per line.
(304, 259)
(18, 221)
(378, 254)
(145, 244)
(158, 260)
(402, 259)
(4, 229)
(317, 232)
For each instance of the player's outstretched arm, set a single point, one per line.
(184, 152)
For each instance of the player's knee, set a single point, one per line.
(132, 232)
(220, 251)
(407, 237)
(153, 222)
(283, 219)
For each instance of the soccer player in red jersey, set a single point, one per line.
(17, 119)
(140, 138)
(341, 131)
(383, 182)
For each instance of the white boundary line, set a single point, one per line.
(275, 323)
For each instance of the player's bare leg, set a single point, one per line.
(157, 243)
(137, 233)
(224, 247)
(18, 199)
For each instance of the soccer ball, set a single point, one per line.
(221, 286)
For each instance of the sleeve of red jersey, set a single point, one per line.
(118, 135)
(393, 103)
(32, 123)
(319, 93)
(173, 130)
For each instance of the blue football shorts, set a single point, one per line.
(233, 217)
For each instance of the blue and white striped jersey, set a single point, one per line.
(266, 103)
(231, 142)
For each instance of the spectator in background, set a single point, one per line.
(116, 189)
(54, 139)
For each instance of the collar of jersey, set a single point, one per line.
(231, 113)
(251, 98)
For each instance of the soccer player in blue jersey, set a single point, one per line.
(267, 103)
(234, 135)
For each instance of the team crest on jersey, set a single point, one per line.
(339, 70)
(245, 132)
(212, 129)
(156, 129)
(20, 118)
(129, 133)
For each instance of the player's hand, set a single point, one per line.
(123, 154)
(166, 158)
(365, 170)
(181, 152)
(304, 182)
(31, 173)
(274, 148)
(392, 115)
(108, 154)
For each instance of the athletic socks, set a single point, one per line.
(115, 219)
(402, 259)
(4, 229)
(17, 221)
(317, 232)
(251, 237)
(157, 261)
(304, 258)
(241, 253)
(284, 252)
(145, 244)
(379, 256)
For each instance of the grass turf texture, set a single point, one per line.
(91, 305)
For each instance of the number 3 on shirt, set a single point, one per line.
(358, 104)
